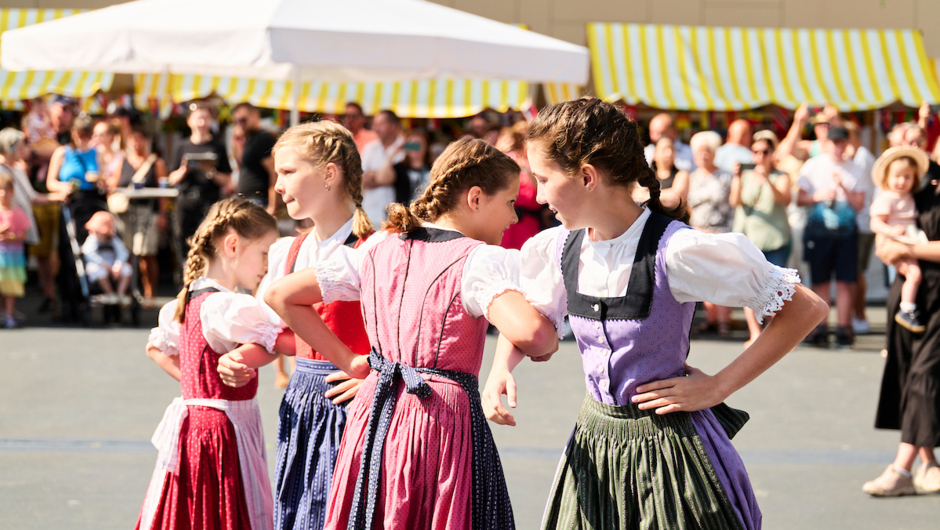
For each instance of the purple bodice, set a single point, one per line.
(634, 339)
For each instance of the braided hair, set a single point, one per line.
(246, 219)
(325, 142)
(591, 131)
(464, 164)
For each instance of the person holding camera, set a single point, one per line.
(760, 195)
(199, 170)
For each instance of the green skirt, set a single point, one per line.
(631, 468)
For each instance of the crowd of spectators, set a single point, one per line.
(802, 198)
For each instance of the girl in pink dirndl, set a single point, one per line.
(211, 471)
(420, 454)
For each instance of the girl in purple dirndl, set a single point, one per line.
(651, 448)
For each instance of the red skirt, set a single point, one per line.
(207, 493)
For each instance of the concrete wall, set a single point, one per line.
(565, 19)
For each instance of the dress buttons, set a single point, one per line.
(597, 325)
(597, 307)
(600, 339)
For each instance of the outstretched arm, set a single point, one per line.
(522, 324)
(292, 297)
(699, 391)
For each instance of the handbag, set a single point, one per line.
(118, 202)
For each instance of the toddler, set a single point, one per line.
(106, 259)
(893, 215)
(13, 227)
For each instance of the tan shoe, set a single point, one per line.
(891, 483)
(927, 479)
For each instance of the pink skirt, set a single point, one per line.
(427, 463)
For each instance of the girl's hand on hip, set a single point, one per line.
(345, 390)
(497, 384)
(232, 372)
(696, 391)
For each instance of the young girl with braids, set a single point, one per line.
(211, 471)
(651, 447)
(319, 176)
(420, 454)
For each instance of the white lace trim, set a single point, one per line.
(330, 285)
(160, 341)
(268, 337)
(487, 294)
(779, 290)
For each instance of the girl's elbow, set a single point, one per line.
(544, 339)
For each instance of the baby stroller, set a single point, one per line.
(80, 295)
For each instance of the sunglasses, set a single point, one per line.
(762, 152)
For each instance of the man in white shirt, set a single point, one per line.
(661, 125)
(830, 188)
(377, 191)
(737, 148)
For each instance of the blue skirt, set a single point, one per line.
(308, 437)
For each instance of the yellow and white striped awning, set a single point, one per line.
(711, 68)
(31, 84)
(558, 92)
(440, 98)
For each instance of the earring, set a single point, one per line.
(327, 187)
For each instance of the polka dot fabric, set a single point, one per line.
(437, 467)
(207, 493)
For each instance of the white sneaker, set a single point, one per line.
(860, 327)
(928, 478)
(891, 483)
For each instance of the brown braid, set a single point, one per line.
(588, 131)
(464, 164)
(324, 142)
(246, 219)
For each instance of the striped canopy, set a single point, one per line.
(712, 68)
(439, 98)
(15, 86)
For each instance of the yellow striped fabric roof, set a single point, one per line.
(712, 68)
(30, 84)
(558, 92)
(439, 98)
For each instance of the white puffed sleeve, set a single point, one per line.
(540, 277)
(165, 337)
(338, 273)
(277, 259)
(726, 269)
(488, 272)
(229, 319)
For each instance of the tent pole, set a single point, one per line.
(295, 98)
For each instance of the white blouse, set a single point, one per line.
(725, 269)
(229, 319)
(310, 251)
(488, 272)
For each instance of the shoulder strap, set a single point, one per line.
(636, 304)
(293, 253)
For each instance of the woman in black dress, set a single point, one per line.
(910, 388)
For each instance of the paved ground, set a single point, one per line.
(79, 407)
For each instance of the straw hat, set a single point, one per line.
(879, 171)
(767, 136)
(101, 223)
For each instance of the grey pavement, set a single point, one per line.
(79, 407)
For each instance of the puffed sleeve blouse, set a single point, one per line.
(488, 272)
(228, 320)
(725, 269)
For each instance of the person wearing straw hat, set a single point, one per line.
(898, 173)
(909, 399)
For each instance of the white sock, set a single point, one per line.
(903, 472)
(908, 307)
